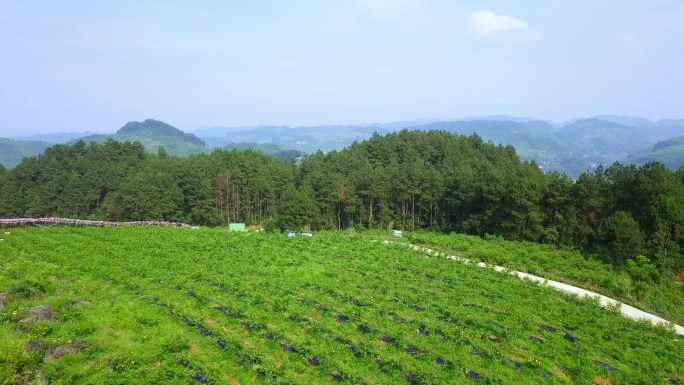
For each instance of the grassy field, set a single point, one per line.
(566, 265)
(176, 306)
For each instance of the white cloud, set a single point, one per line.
(388, 7)
(486, 23)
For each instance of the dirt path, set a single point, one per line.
(19, 222)
(607, 302)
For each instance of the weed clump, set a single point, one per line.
(363, 328)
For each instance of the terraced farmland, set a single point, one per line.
(176, 306)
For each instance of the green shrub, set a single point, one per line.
(644, 274)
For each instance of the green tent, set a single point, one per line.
(239, 227)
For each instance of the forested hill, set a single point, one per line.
(153, 135)
(409, 180)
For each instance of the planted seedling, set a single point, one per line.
(336, 376)
(605, 365)
(388, 340)
(570, 337)
(473, 375)
(412, 378)
(269, 336)
(312, 360)
(200, 378)
(412, 350)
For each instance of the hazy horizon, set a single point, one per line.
(195, 130)
(82, 66)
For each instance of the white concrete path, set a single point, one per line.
(607, 302)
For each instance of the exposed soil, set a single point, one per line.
(55, 352)
(680, 277)
(598, 380)
(36, 345)
(38, 313)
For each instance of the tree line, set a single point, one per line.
(409, 180)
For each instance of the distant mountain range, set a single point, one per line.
(571, 147)
(56, 138)
(305, 139)
(578, 145)
(12, 151)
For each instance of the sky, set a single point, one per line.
(88, 65)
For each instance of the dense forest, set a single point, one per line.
(408, 180)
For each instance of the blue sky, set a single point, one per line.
(94, 65)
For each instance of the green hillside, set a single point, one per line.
(153, 134)
(408, 180)
(566, 265)
(596, 136)
(13, 151)
(177, 306)
(669, 152)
